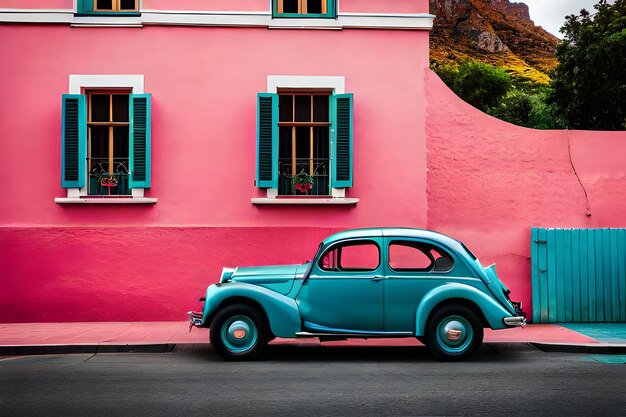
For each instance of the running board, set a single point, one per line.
(356, 335)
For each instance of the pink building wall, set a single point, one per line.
(423, 158)
(347, 6)
(151, 262)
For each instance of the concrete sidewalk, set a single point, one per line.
(101, 337)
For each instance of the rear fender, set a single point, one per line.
(281, 311)
(494, 313)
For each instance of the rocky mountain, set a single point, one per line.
(497, 32)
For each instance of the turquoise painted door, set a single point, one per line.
(344, 291)
(410, 272)
(578, 275)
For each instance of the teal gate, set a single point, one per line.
(578, 275)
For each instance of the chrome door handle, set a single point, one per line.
(378, 278)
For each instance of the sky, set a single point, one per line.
(550, 14)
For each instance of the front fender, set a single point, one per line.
(491, 309)
(282, 312)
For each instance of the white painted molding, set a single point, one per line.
(80, 81)
(419, 21)
(105, 200)
(304, 201)
(337, 83)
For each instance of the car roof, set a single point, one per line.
(396, 232)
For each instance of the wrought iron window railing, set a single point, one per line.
(103, 181)
(317, 168)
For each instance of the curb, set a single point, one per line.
(618, 349)
(63, 349)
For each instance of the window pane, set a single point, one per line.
(314, 6)
(120, 107)
(100, 108)
(290, 6)
(403, 256)
(285, 108)
(99, 149)
(104, 4)
(127, 5)
(360, 257)
(303, 150)
(320, 108)
(120, 143)
(303, 108)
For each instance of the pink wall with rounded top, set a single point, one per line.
(490, 182)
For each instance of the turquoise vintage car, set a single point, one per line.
(362, 283)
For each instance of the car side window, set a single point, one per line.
(361, 256)
(418, 256)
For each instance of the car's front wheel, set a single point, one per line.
(453, 332)
(239, 332)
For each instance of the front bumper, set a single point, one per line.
(195, 319)
(515, 321)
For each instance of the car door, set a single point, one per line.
(344, 291)
(412, 268)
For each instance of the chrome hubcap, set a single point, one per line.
(454, 330)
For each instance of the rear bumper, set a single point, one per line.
(515, 321)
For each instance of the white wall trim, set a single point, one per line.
(417, 21)
(337, 83)
(78, 82)
(304, 201)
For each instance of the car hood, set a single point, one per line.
(252, 273)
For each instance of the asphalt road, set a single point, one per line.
(502, 380)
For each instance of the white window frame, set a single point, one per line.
(338, 85)
(78, 83)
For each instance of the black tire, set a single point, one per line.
(239, 332)
(450, 346)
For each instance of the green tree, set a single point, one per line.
(589, 83)
(481, 85)
(526, 108)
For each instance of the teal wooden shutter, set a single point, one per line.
(267, 141)
(341, 133)
(74, 141)
(139, 141)
(84, 6)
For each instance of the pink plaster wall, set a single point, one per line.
(345, 6)
(88, 262)
(388, 6)
(204, 83)
(212, 5)
(131, 273)
(37, 4)
(489, 182)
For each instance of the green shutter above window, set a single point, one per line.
(267, 141)
(341, 132)
(73, 141)
(139, 141)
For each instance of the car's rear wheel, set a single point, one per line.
(453, 332)
(239, 332)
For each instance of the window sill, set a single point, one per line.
(305, 201)
(105, 200)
